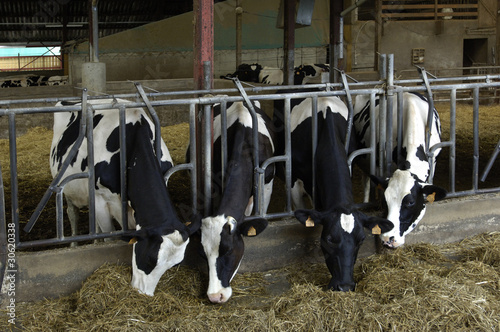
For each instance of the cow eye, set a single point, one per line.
(410, 202)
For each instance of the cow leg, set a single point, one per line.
(366, 186)
(268, 190)
(104, 220)
(73, 216)
(298, 193)
(249, 208)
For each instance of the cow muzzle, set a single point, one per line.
(222, 296)
(390, 242)
(342, 287)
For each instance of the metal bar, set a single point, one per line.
(207, 158)
(156, 121)
(93, 32)
(193, 157)
(475, 125)
(350, 110)
(289, 41)
(400, 113)
(71, 155)
(491, 161)
(122, 130)
(373, 135)
(288, 154)
(223, 133)
(430, 114)
(314, 145)
(453, 123)
(239, 29)
(59, 214)
(390, 113)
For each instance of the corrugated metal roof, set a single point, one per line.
(36, 22)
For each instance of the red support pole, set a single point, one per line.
(289, 41)
(203, 43)
(203, 50)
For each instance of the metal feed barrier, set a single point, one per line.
(387, 89)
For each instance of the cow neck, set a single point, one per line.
(333, 180)
(146, 187)
(414, 142)
(239, 174)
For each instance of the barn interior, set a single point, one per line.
(152, 42)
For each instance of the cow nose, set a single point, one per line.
(346, 287)
(217, 298)
(389, 243)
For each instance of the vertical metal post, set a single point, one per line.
(193, 157)
(373, 135)
(123, 164)
(203, 80)
(453, 123)
(93, 32)
(475, 125)
(336, 23)
(400, 102)
(288, 153)
(239, 28)
(207, 158)
(289, 41)
(382, 120)
(390, 110)
(314, 141)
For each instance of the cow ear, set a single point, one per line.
(308, 218)
(380, 181)
(377, 225)
(194, 224)
(252, 227)
(433, 193)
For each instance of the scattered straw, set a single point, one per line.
(416, 288)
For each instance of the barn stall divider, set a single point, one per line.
(387, 89)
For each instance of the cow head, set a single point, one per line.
(222, 242)
(308, 71)
(341, 237)
(406, 197)
(155, 251)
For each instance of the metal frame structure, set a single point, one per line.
(388, 90)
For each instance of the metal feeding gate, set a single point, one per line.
(387, 90)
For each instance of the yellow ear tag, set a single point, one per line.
(187, 223)
(251, 231)
(431, 198)
(309, 222)
(376, 230)
(132, 240)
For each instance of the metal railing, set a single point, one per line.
(388, 90)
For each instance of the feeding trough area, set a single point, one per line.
(420, 287)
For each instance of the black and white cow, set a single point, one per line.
(311, 73)
(274, 76)
(342, 232)
(221, 233)
(407, 190)
(246, 72)
(161, 238)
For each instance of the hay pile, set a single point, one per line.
(417, 288)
